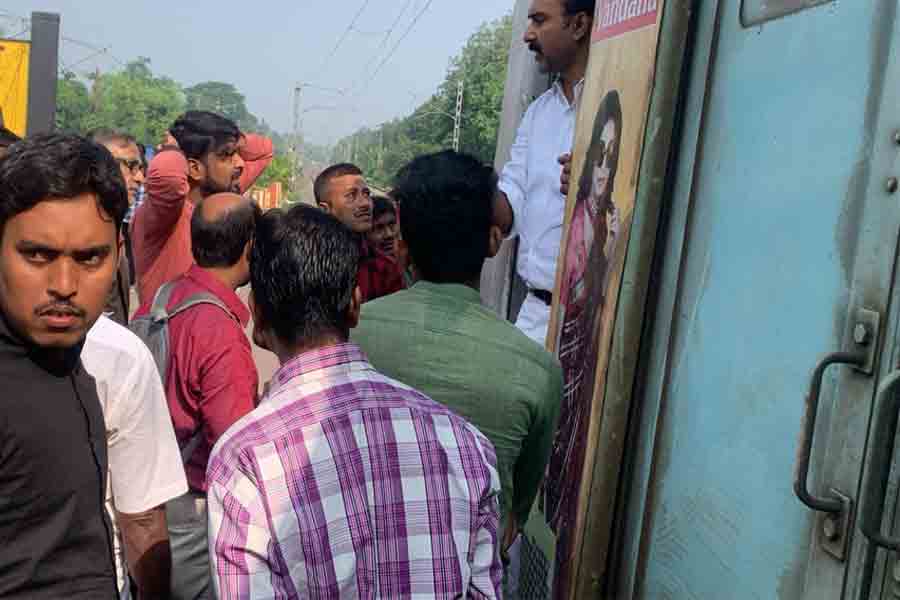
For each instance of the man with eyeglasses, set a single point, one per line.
(125, 150)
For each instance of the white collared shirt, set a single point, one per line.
(531, 182)
(145, 468)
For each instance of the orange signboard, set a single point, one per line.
(14, 57)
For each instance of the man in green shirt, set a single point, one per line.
(436, 337)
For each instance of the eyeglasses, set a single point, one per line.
(133, 165)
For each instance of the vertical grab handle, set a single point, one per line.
(881, 443)
(831, 505)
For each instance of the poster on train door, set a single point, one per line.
(606, 158)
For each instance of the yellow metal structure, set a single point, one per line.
(14, 58)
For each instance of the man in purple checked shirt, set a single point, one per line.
(343, 483)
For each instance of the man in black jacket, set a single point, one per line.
(62, 201)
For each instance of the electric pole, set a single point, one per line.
(457, 122)
(295, 147)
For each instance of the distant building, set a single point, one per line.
(268, 197)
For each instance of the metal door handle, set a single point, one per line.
(801, 474)
(882, 443)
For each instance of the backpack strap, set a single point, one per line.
(161, 301)
(200, 298)
(160, 313)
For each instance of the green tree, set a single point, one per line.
(224, 99)
(133, 100)
(73, 104)
(280, 169)
(481, 65)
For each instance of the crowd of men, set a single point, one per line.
(399, 448)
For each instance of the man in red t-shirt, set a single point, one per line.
(342, 191)
(204, 154)
(211, 379)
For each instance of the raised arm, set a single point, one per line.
(257, 152)
(166, 188)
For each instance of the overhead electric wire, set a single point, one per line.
(369, 33)
(71, 66)
(406, 33)
(344, 36)
(387, 37)
(97, 49)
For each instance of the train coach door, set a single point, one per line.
(774, 323)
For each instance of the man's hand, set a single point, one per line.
(168, 143)
(566, 161)
(170, 140)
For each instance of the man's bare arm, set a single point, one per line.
(503, 213)
(148, 554)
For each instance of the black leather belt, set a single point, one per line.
(543, 295)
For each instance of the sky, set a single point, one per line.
(266, 47)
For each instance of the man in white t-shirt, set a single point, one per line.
(145, 468)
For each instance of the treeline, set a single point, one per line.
(481, 65)
(145, 105)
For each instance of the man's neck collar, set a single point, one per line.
(287, 353)
(225, 277)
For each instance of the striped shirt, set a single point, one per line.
(346, 484)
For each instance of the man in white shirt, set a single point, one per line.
(530, 203)
(145, 468)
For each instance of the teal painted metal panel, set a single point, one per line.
(763, 293)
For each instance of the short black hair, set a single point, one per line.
(382, 205)
(446, 202)
(199, 132)
(303, 269)
(106, 137)
(7, 137)
(332, 172)
(60, 166)
(220, 243)
(573, 7)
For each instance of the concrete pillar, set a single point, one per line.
(42, 72)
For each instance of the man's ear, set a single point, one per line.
(196, 170)
(260, 337)
(354, 309)
(582, 23)
(495, 240)
(325, 207)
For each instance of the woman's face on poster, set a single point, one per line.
(603, 170)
